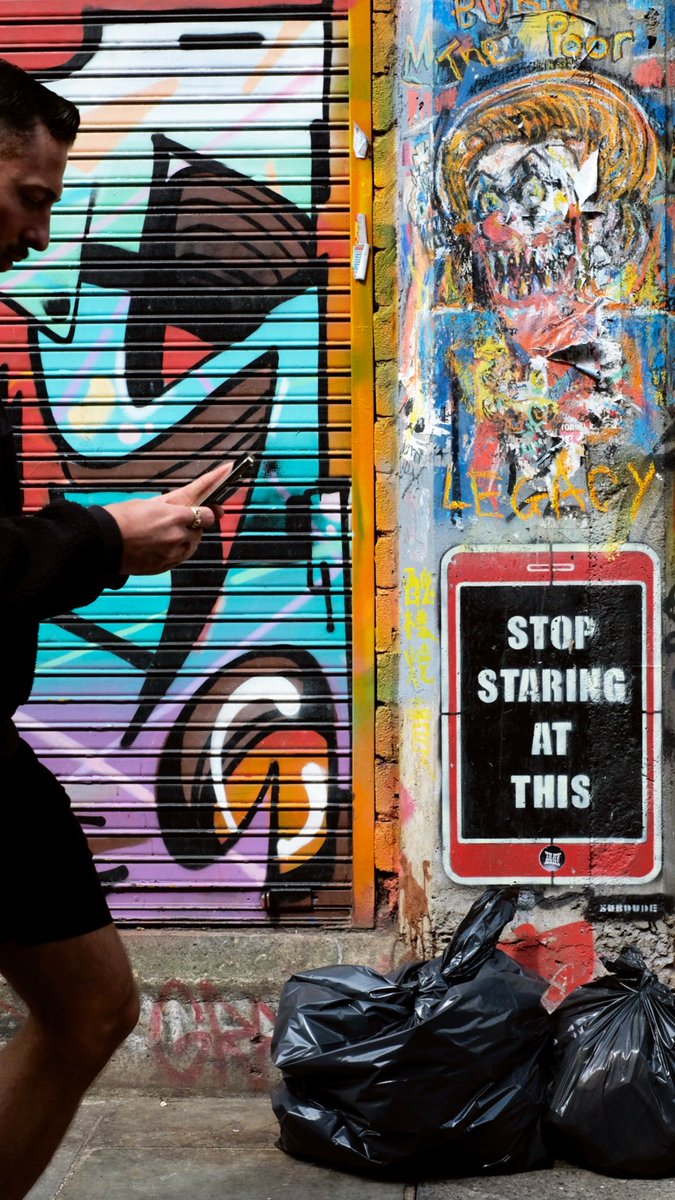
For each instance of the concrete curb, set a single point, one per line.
(209, 1002)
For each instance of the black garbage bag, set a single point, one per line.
(612, 1102)
(444, 1063)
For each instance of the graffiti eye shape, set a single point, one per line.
(490, 202)
(254, 741)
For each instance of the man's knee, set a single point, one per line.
(93, 1017)
(81, 995)
(106, 1020)
(120, 1017)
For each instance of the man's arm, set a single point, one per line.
(65, 555)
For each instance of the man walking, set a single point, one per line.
(58, 947)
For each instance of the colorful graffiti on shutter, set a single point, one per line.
(535, 189)
(192, 307)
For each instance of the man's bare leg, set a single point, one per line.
(82, 1003)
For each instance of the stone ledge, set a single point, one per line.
(209, 1001)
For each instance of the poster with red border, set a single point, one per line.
(551, 714)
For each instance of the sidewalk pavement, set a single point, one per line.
(139, 1147)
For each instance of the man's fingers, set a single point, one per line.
(202, 518)
(198, 489)
(157, 535)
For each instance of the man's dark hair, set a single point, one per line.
(24, 102)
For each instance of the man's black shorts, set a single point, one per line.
(49, 889)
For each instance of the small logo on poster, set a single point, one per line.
(552, 858)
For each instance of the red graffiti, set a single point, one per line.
(565, 956)
(194, 1030)
(44, 468)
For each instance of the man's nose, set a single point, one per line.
(37, 234)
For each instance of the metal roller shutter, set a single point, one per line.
(195, 304)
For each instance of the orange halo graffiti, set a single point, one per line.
(591, 112)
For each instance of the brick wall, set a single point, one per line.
(387, 860)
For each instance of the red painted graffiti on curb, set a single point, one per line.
(193, 1030)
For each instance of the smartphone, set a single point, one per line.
(242, 471)
(550, 714)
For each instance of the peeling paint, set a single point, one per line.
(564, 955)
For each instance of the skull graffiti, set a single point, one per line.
(547, 191)
(526, 231)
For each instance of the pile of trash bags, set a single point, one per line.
(455, 1066)
(612, 1102)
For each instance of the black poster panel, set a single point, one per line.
(552, 704)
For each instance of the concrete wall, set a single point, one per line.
(534, 483)
(209, 1002)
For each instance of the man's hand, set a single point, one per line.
(162, 533)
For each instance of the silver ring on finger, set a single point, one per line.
(197, 513)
